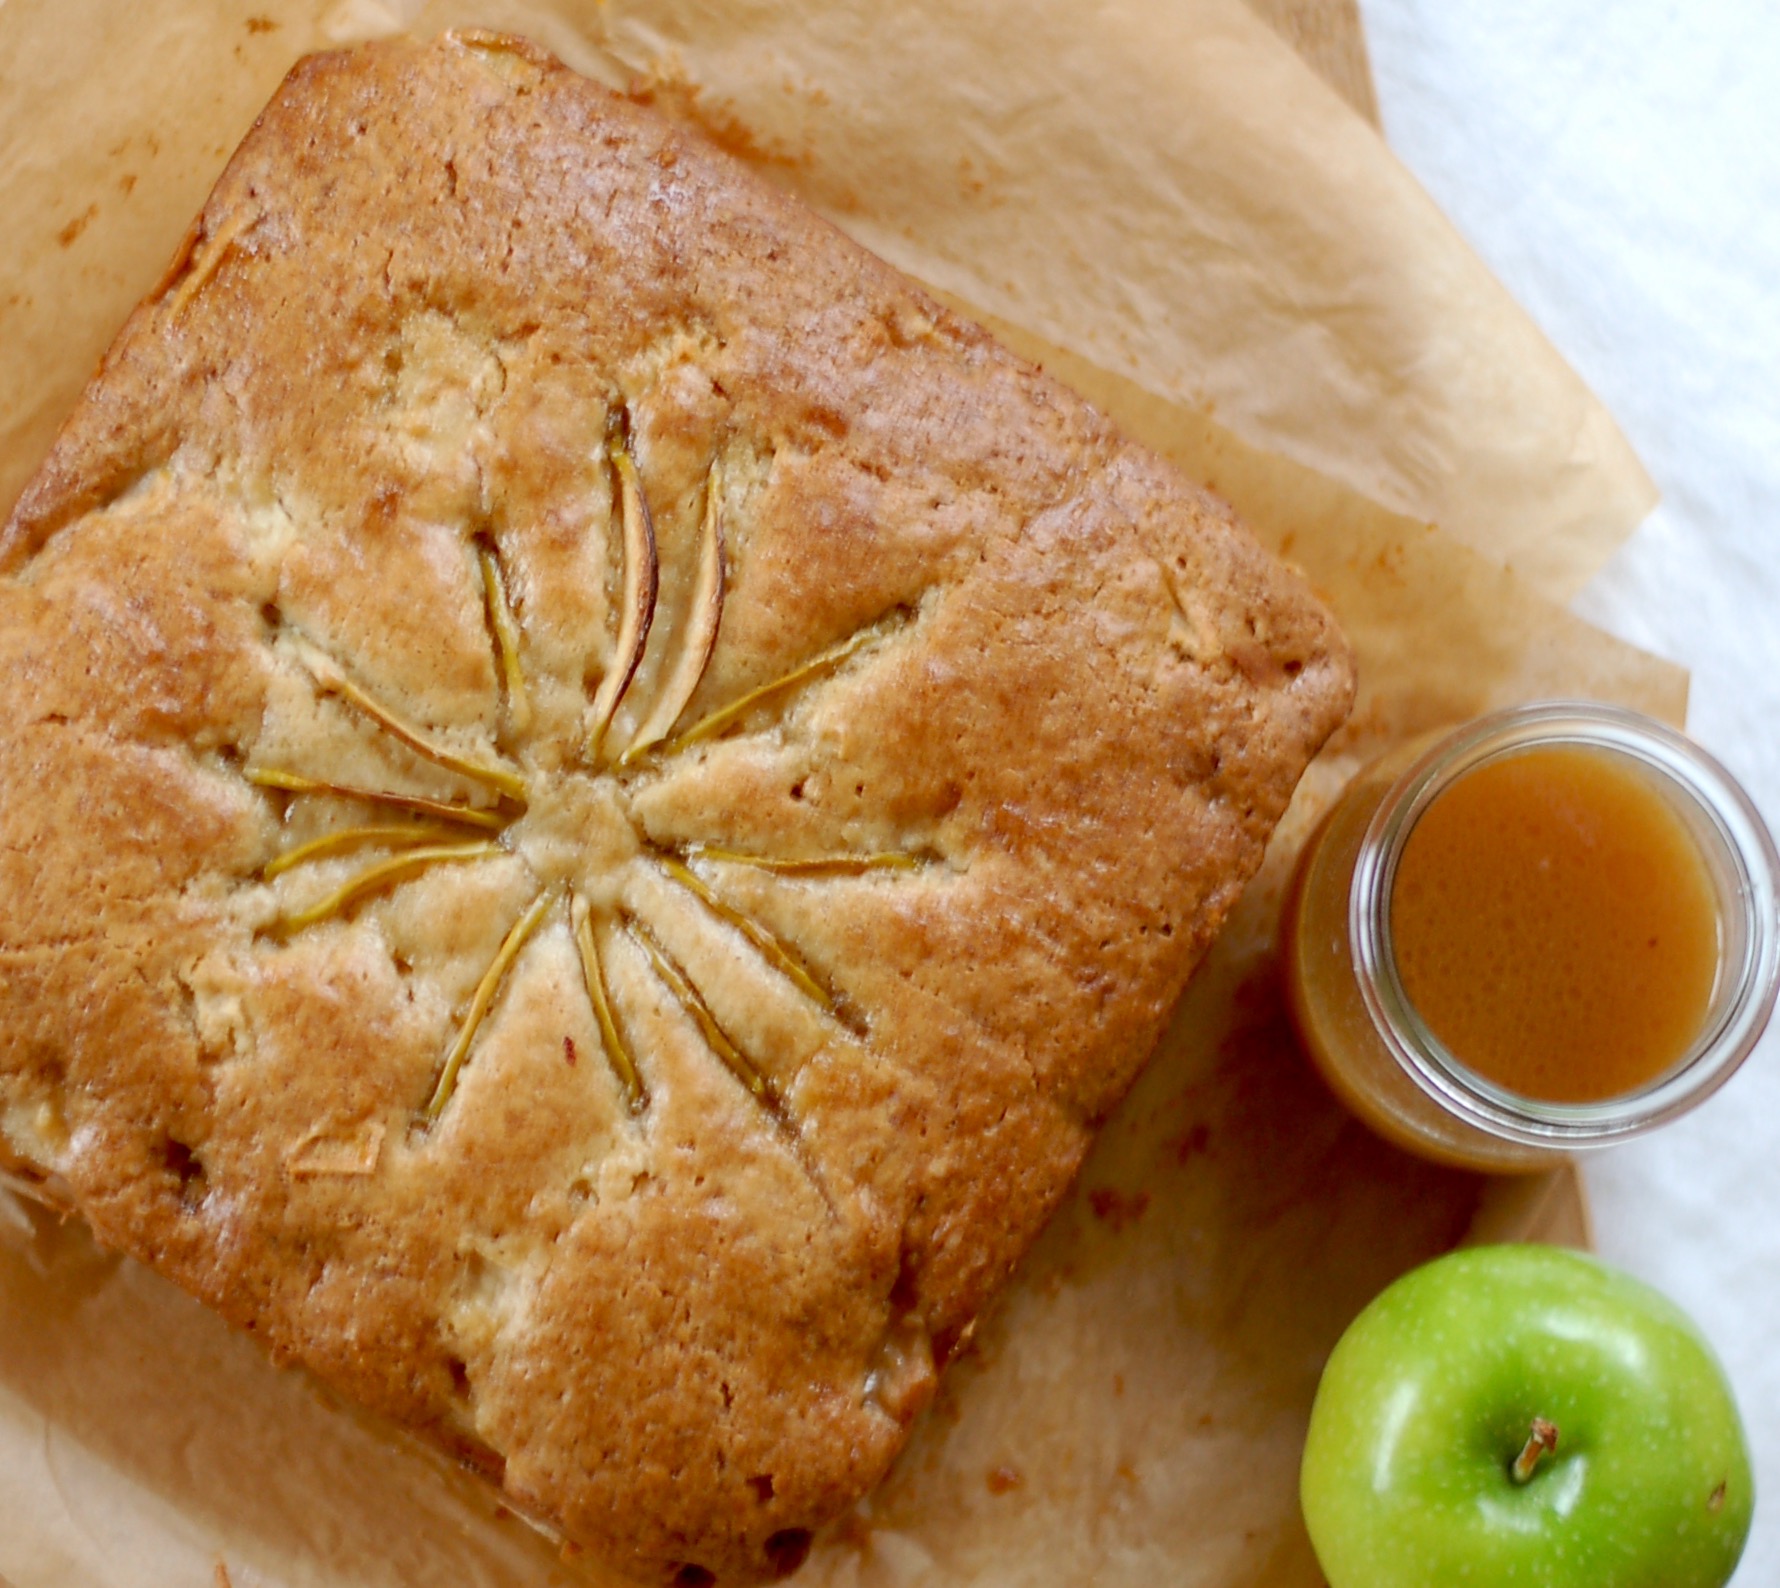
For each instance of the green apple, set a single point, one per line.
(1523, 1417)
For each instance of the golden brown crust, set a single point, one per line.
(646, 1112)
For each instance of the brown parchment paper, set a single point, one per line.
(1329, 37)
(1134, 1408)
(1161, 189)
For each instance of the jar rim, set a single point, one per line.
(1726, 813)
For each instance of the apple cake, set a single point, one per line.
(599, 795)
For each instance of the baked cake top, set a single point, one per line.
(599, 795)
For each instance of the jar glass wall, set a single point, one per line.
(1372, 1044)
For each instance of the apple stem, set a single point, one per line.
(1541, 1441)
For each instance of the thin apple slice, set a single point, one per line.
(505, 628)
(692, 1001)
(396, 868)
(216, 250)
(726, 717)
(758, 1086)
(618, 1054)
(406, 835)
(642, 582)
(810, 865)
(332, 679)
(705, 617)
(444, 810)
(482, 1001)
(771, 949)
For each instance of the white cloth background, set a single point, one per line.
(1619, 167)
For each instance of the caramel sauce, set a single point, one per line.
(1555, 925)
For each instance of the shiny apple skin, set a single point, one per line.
(1430, 1395)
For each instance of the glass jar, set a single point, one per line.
(1369, 1041)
